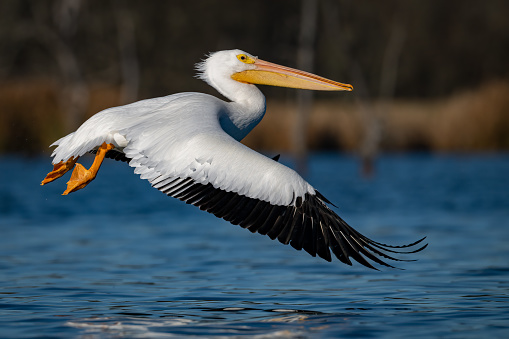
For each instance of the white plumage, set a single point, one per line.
(187, 145)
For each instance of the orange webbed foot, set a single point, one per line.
(81, 177)
(59, 169)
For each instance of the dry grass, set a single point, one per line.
(474, 121)
(29, 116)
(477, 120)
(31, 119)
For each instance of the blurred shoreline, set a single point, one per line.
(475, 120)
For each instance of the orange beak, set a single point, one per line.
(267, 73)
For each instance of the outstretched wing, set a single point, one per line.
(202, 165)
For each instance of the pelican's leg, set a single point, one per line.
(59, 169)
(81, 177)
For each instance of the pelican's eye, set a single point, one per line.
(245, 59)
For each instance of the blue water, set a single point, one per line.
(120, 259)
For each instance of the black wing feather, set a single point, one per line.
(309, 224)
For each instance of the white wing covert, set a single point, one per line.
(193, 145)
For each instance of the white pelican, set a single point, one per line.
(187, 146)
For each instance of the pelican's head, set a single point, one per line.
(246, 68)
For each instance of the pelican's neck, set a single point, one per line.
(246, 109)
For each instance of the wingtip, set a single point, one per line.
(324, 199)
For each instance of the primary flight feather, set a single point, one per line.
(187, 146)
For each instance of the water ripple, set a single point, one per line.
(92, 265)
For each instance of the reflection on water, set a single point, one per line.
(120, 259)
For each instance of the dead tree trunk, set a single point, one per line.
(370, 117)
(74, 94)
(305, 60)
(129, 65)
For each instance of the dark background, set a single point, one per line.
(63, 60)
